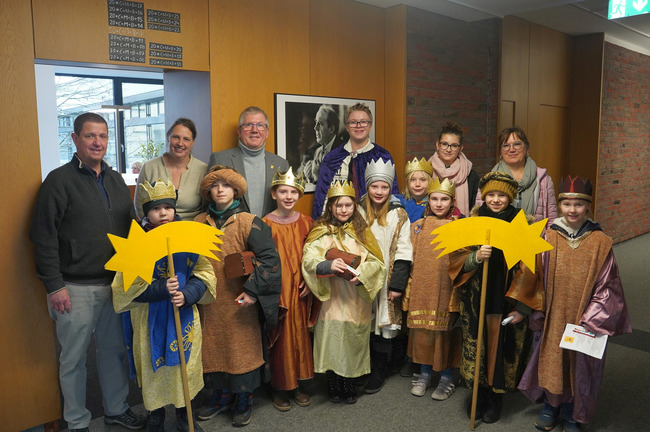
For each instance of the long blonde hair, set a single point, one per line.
(372, 214)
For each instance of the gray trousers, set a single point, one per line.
(91, 310)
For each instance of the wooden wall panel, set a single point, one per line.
(324, 53)
(549, 98)
(257, 48)
(252, 61)
(586, 103)
(346, 42)
(395, 88)
(514, 70)
(28, 378)
(543, 87)
(77, 30)
(549, 149)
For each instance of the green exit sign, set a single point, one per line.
(623, 8)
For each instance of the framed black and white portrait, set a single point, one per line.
(308, 127)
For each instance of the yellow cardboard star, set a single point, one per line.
(518, 240)
(137, 254)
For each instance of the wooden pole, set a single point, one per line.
(479, 338)
(181, 346)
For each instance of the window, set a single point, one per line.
(133, 109)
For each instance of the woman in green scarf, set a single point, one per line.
(535, 193)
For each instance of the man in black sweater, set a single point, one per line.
(77, 205)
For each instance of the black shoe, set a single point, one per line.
(334, 387)
(78, 430)
(492, 412)
(378, 373)
(182, 423)
(349, 392)
(397, 354)
(243, 409)
(220, 400)
(127, 419)
(156, 420)
(480, 404)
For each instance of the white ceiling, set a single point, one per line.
(574, 17)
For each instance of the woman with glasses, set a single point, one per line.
(348, 162)
(535, 194)
(178, 165)
(449, 162)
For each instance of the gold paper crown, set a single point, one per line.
(418, 165)
(288, 178)
(446, 187)
(159, 191)
(338, 189)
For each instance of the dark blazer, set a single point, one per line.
(233, 158)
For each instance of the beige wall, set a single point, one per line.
(28, 378)
(534, 88)
(78, 30)
(307, 48)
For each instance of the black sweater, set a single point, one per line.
(70, 223)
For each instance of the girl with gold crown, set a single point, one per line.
(390, 224)
(583, 287)
(343, 267)
(432, 309)
(291, 356)
(418, 176)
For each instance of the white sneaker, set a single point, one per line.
(444, 390)
(420, 384)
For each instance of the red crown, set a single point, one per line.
(576, 188)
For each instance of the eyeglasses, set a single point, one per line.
(249, 126)
(445, 146)
(516, 145)
(362, 123)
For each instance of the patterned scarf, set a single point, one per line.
(457, 172)
(528, 190)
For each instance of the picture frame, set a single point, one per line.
(297, 139)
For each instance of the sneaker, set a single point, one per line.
(572, 426)
(547, 418)
(156, 420)
(220, 401)
(243, 409)
(420, 384)
(444, 390)
(182, 423)
(409, 368)
(127, 419)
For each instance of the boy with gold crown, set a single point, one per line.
(149, 320)
(583, 287)
(343, 267)
(432, 309)
(389, 223)
(291, 356)
(418, 174)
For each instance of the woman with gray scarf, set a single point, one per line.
(535, 194)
